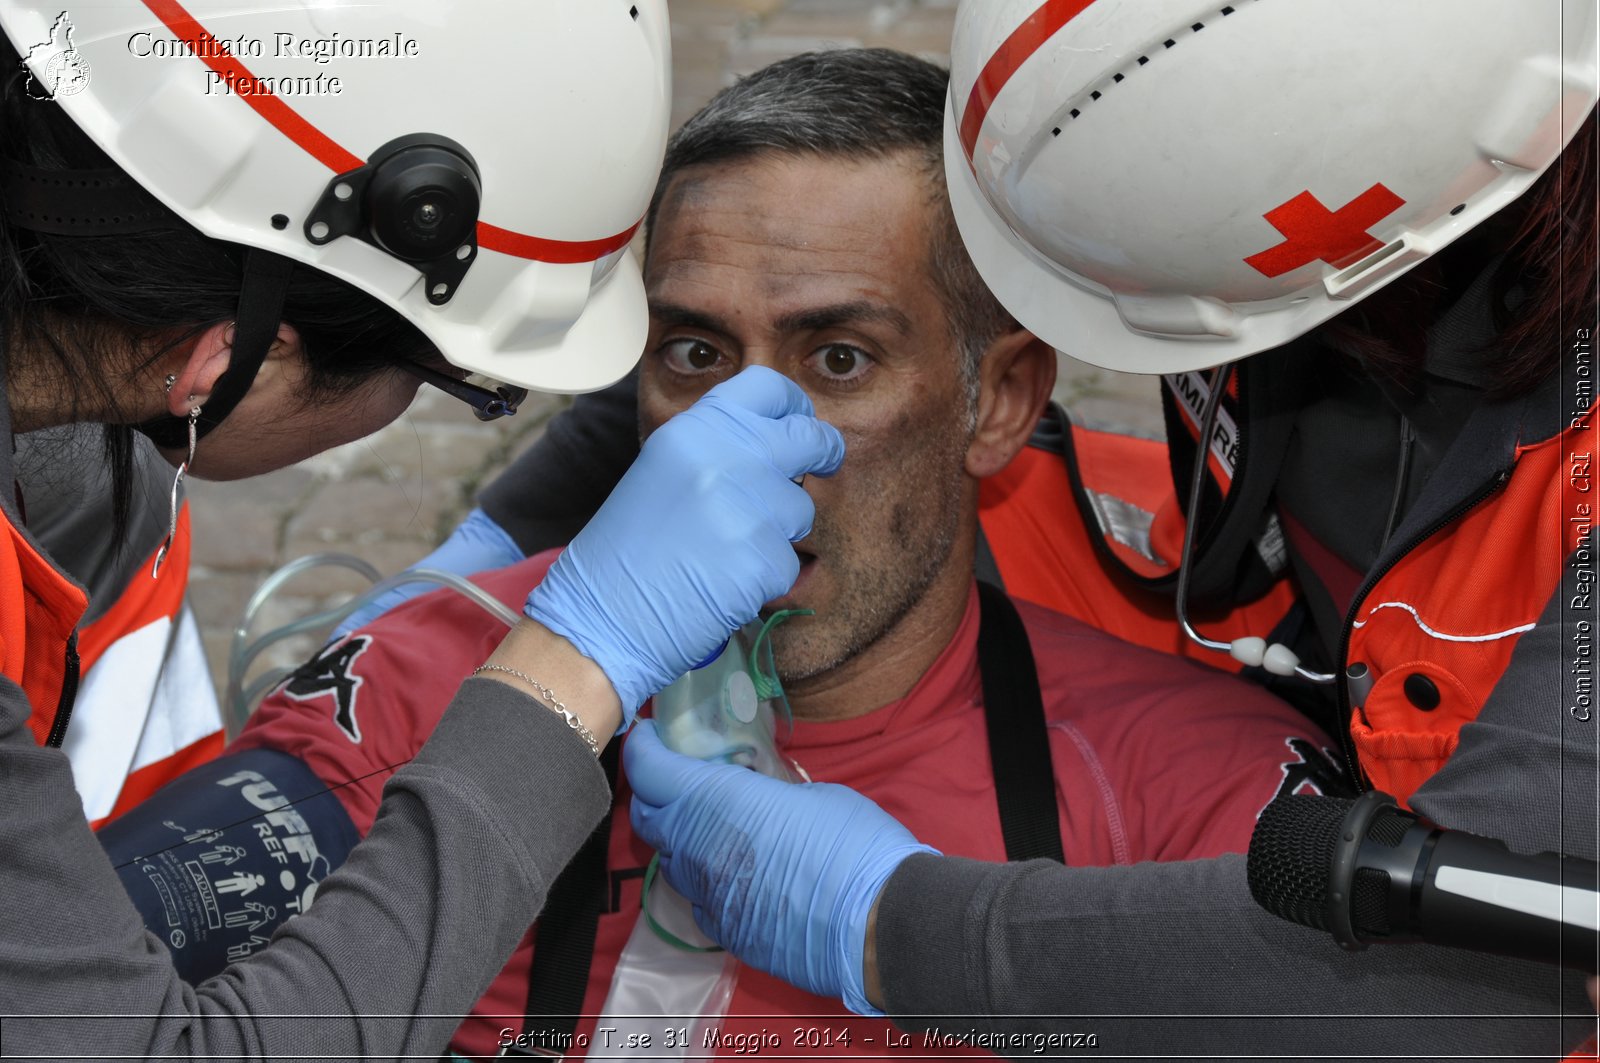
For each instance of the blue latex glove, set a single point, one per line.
(477, 545)
(783, 875)
(695, 538)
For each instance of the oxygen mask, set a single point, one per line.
(670, 975)
(732, 710)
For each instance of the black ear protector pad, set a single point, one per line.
(416, 199)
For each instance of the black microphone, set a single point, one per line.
(1367, 871)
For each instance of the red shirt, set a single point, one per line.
(1155, 758)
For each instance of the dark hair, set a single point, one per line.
(1543, 289)
(91, 302)
(854, 103)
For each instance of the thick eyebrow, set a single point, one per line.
(858, 312)
(673, 315)
(808, 320)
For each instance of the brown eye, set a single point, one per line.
(838, 363)
(689, 357)
(839, 360)
(700, 356)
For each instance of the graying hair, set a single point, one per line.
(856, 103)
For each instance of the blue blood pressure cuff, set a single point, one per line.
(218, 858)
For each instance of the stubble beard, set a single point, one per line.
(872, 598)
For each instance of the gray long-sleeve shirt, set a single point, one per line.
(1177, 959)
(400, 943)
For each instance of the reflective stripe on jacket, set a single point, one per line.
(140, 707)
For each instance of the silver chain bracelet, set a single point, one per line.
(549, 702)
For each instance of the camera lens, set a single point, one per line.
(423, 203)
(427, 216)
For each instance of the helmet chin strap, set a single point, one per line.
(261, 298)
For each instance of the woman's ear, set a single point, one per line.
(1016, 377)
(209, 358)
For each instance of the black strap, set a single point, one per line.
(261, 299)
(984, 566)
(1019, 741)
(1025, 789)
(107, 202)
(564, 936)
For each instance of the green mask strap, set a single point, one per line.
(763, 673)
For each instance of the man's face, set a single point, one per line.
(818, 268)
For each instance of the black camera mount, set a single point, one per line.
(417, 200)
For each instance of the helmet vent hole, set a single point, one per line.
(439, 291)
(280, 221)
(1457, 209)
(1120, 76)
(633, 13)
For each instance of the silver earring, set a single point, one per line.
(172, 379)
(177, 481)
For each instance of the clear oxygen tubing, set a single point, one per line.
(239, 700)
(1251, 650)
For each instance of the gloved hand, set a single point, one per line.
(477, 544)
(783, 875)
(695, 538)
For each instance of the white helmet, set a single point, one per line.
(479, 167)
(1167, 185)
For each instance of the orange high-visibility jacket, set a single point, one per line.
(1095, 530)
(115, 675)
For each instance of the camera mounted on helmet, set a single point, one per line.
(417, 199)
(505, 247)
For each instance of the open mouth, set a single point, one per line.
(808, 563)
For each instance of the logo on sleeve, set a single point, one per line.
(1313, 771)
(331, 673)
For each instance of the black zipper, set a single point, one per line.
(69, 694)
(1346, 710)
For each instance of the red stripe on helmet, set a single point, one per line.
(330, 153)
(509, 243)
(1025, 40)
(280, 115)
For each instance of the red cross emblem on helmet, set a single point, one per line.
(1312, 231)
